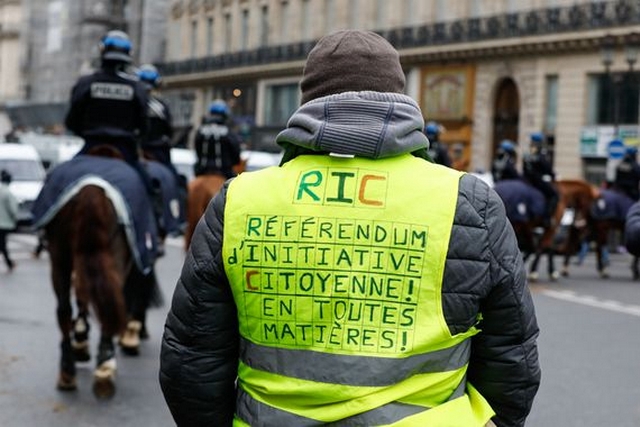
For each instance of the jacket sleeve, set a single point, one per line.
(632, 230)
(504, 357)
(199, 354)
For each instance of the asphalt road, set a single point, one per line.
(589, 350)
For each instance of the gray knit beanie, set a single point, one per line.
(351, 60)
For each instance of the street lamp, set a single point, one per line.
(607, 48)
(631, 49)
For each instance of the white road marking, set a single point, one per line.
(592, 301)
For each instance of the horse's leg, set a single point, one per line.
(635, 269)
(565, 265)
(104, 377)
(81, 326)
(533, 268)
(61, 279)
(140, 290)
(553, 274)
(134, 293)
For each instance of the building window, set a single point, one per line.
(245, 30)
(329, 16)
(194, 38)
(175, 42)
(264, 26)
(380, 14)
(285, 22)
(209, 36)
(306, 20)
(228, 32)
(409, 12)
(354, 13)
(613, 99)
(551, 110)
(281, 102)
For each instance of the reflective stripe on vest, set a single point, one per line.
(336, 269)
(257, 413)
(349, 369)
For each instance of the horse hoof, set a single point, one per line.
(565, 272)
(555, 276)
(104, 380)
(533, 277)
(130, 340)
(66, 382)
(81, 351)
(604, 274)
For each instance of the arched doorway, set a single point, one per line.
(506, 112)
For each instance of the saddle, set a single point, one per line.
(123, 186)
(611, 205)
(522, 201)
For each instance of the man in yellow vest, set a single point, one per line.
(357, 283)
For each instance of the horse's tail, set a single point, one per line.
(99, 277)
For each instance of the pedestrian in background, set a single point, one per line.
(358, 282)
(8, 216)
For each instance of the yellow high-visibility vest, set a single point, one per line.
(336, 268)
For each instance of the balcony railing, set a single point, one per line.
(553, 20)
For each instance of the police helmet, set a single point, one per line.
(219, 107)
(537, 138)
(507, 146)
(432, 129)
(149, 74)
(116, 46)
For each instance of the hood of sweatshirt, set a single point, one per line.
(362, 124)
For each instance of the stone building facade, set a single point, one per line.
(45, 45)
(486, 70)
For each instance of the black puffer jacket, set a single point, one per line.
(483, 274)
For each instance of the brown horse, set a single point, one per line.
(535, 237)
(89, 253)
(200, 192)
(578, 196)
(91, 257)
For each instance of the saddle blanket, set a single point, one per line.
(172, 211)
(124, 187)
(522, 201)
(612, 205)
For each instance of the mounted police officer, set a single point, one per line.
(538, 171)
(628, 174)
(217, 147)
(157, 141)
(109, 107)
(437, 151)
(504, 164)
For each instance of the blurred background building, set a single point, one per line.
(486, 69)
(45, 45)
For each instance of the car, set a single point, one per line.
(27, 172)
(260, 159)
(184, 160)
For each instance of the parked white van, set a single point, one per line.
(23, 163)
